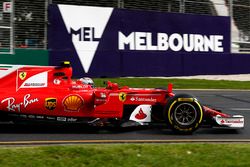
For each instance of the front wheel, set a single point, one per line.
(183, 113)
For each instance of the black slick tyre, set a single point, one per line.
(183, 113)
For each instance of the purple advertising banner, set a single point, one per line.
(110, 42)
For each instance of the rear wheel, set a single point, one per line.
(183, 113)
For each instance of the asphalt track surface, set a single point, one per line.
(234, 102)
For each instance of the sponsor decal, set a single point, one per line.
(143, 99)
(64, 119)
(237, 121)
(36, 81)
(13, 106)
(73, 103)
(22, 75)
(122, 96)
(40, 117)
(79, 86)
(44, 118)
(34, 84)
(57, 81)
(231, 121)
(140, 115)
(22, 116)
(50, 103)
(50, 118)
(31, 116)
(71, 119)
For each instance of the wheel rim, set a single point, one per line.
(185, 114)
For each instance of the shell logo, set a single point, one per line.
(73, 103)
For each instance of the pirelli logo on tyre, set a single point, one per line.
(50, 103)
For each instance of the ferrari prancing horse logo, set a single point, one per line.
(22, 75)
(122, 96)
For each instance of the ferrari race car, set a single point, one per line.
(48, 94)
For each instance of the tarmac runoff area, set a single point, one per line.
(237, 77)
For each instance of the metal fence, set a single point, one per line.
(6, 28)
(30, 17)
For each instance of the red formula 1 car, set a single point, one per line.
(48, 94)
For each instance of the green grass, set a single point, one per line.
(178, 83)
(127, 155)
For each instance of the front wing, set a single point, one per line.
(224, 120)
(234, 122)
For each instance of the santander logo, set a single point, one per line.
(140, 115)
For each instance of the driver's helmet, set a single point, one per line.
(87, 81)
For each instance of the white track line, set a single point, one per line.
(240, 109)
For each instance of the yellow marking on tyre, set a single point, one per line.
(186, 99)
(201, 111)
(170, 121)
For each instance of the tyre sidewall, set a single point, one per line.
(176, 101)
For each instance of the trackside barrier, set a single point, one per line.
(110, 42)
(149, 64)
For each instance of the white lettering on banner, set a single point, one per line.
(12, 106)
(126, 40)
(140, 39)
(175, 42)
